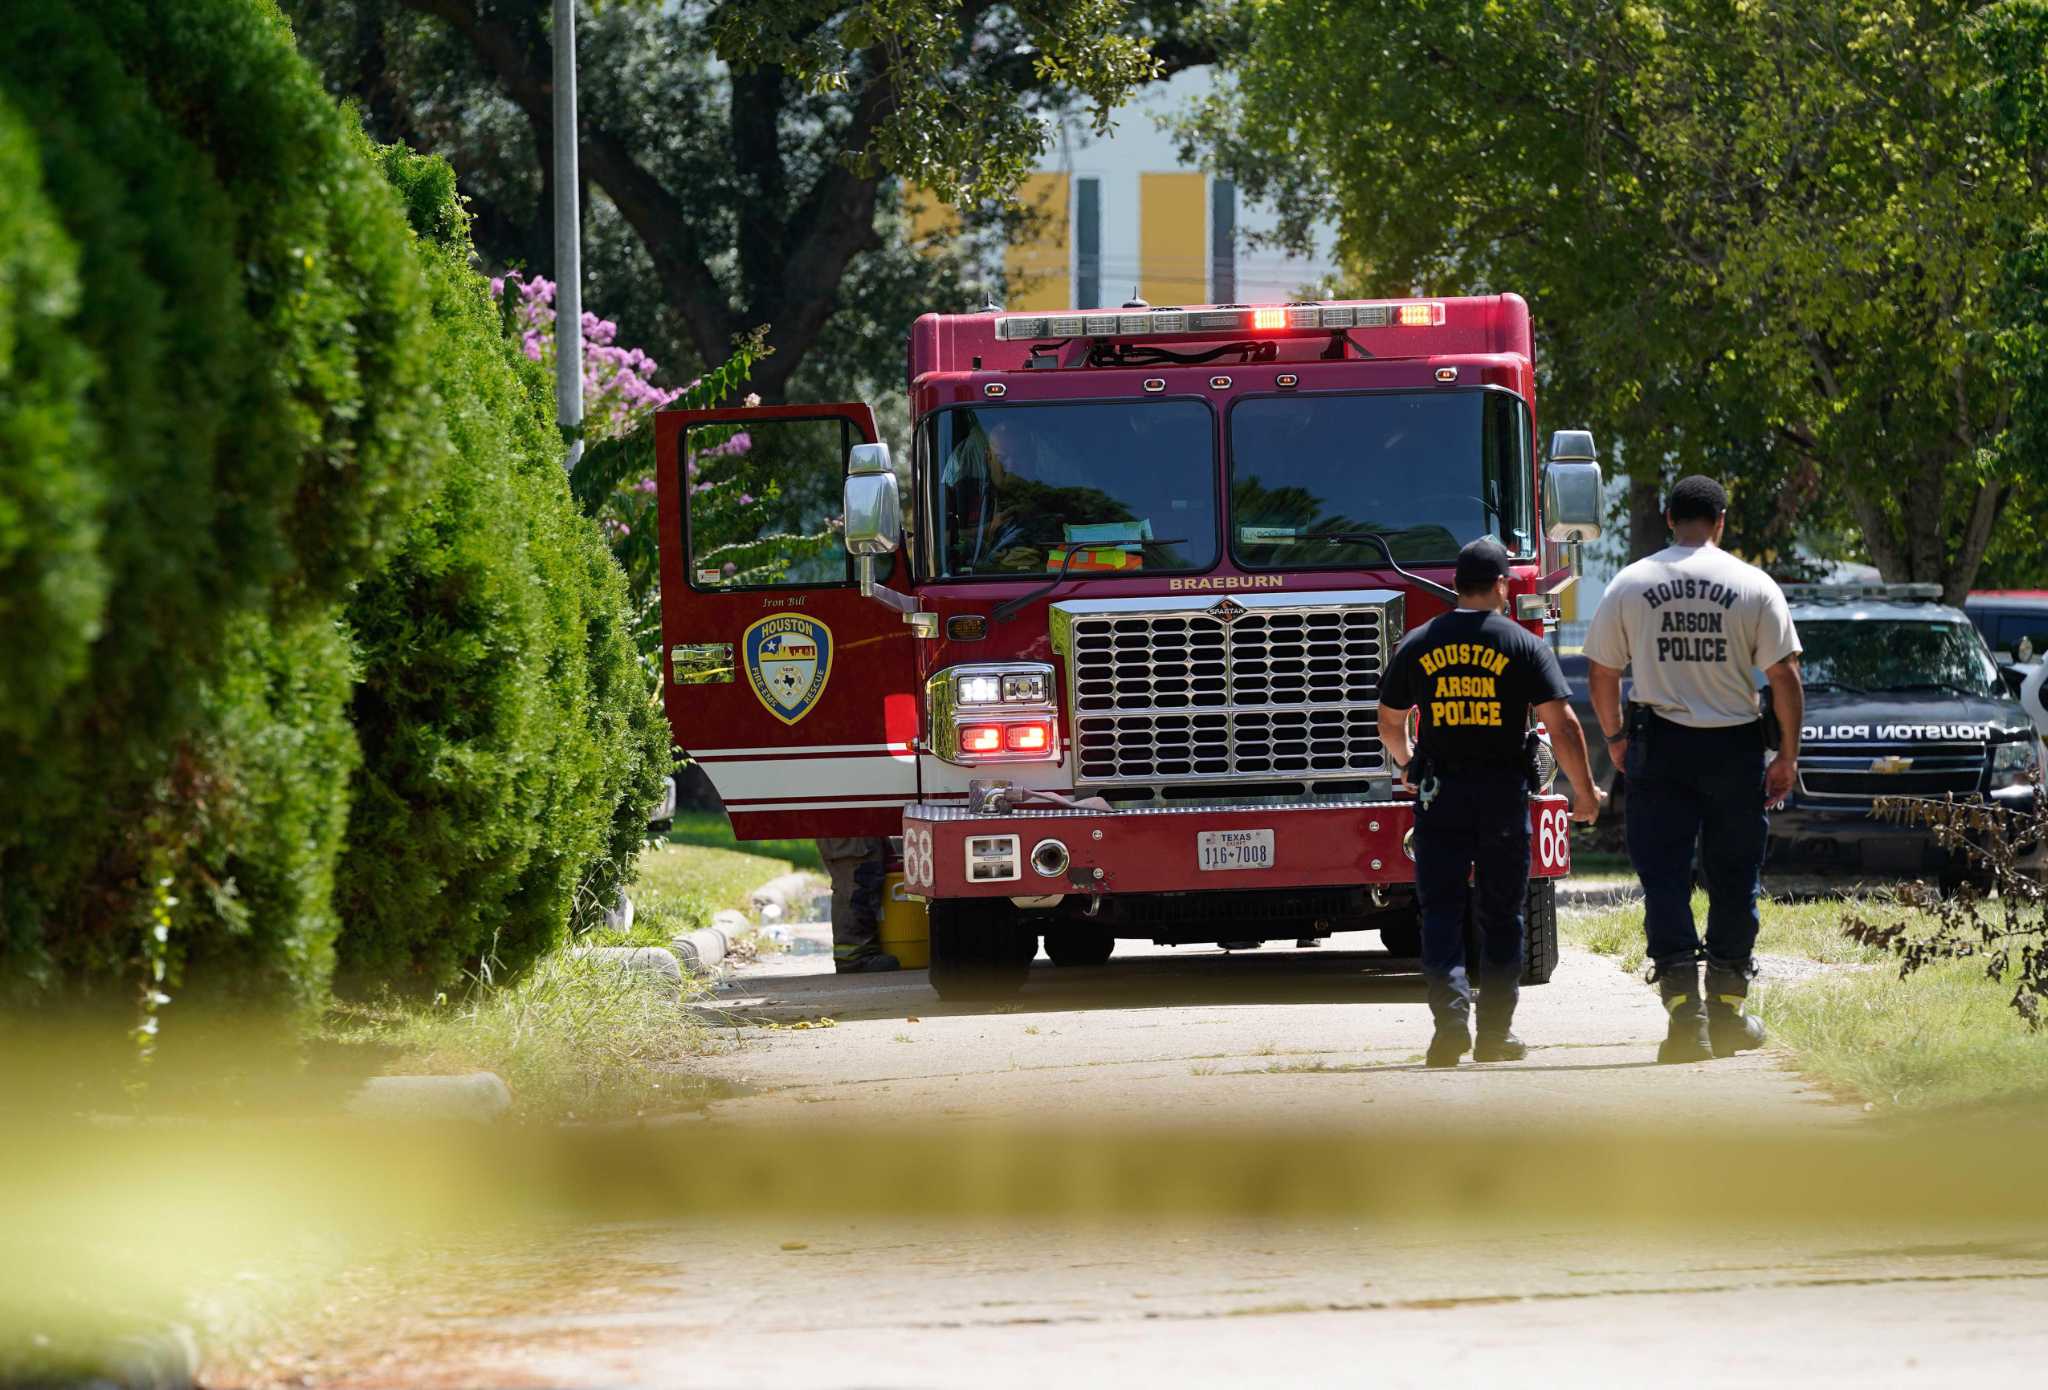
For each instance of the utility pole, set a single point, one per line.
(568, 237)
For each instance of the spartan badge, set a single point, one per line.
(1226, 611)
(788, 660)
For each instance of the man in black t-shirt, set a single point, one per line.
(1475, 676)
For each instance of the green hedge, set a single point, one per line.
(282, 523)
(502, 711)
(247, 335)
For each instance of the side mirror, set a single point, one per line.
(1572, 488)
(874, 513)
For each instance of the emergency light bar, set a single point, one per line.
(1897, 593)
(1154, 323)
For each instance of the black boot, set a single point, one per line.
(1678, 984)
(1496, 1041)
(867, 963)
(1729, 1029)
(1450, 1004)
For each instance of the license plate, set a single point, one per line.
(1234, 849)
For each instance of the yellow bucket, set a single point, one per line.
(904, 933)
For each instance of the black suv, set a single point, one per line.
(1902, 699)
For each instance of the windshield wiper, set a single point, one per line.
(1379, 539)
(1834, 685)
(1009, 607)
(1951, 686)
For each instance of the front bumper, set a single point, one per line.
(1155, 849)
(1852, 831)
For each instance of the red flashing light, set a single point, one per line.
(981, 738)
(1269, 318)
(1029, 738)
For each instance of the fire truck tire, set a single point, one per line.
(1079, 946)
(1539, 922)
(1539, 933)
(1402, 936)
(979, 950)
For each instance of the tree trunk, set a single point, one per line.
(1647, 532)
(1916, 547)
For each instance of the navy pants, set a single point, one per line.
(1473, 839)
(1697, 787)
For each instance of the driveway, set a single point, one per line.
(1706, 1225)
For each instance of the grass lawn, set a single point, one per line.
(711, 830)
(573, 1040)
(1810, 930)
(682, 883)
(1941, 1039)
(581, 1043)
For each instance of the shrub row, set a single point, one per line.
(306, 637)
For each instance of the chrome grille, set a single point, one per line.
(1859, 773)
(1263, 687)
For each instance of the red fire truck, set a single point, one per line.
(1115, 673)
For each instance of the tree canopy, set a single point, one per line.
(748, 156)
(1760, 241)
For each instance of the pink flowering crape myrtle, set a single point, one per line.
(618, 382)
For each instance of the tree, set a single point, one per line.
(224, 288)
(2012, 40)
(1759, 240)
(511, 750)
(750, 154)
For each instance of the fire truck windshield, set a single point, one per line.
(1088, 488)
(1429, 470)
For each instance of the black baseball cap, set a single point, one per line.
(1480, 564)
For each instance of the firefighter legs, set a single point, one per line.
(857, 866)
(1698, 787)
(1500, 881)
(1472, 853)
(1443, 864)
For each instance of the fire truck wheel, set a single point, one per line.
(1539, 933)
(1079, 945)
(1402, 935)
(979, 949)
(1539, 922)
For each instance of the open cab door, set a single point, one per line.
(796, 693)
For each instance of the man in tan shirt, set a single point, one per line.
(1694, 624)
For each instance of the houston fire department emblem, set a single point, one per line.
(788, 659)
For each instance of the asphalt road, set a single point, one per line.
(1280, 1041)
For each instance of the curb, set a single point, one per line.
(477, 1096)
(701, 949)
(649, 963)
(1598, 895)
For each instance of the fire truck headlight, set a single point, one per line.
(993, 713)
(1024, 688)
(980, 690)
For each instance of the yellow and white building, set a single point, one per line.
(1123, 215)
